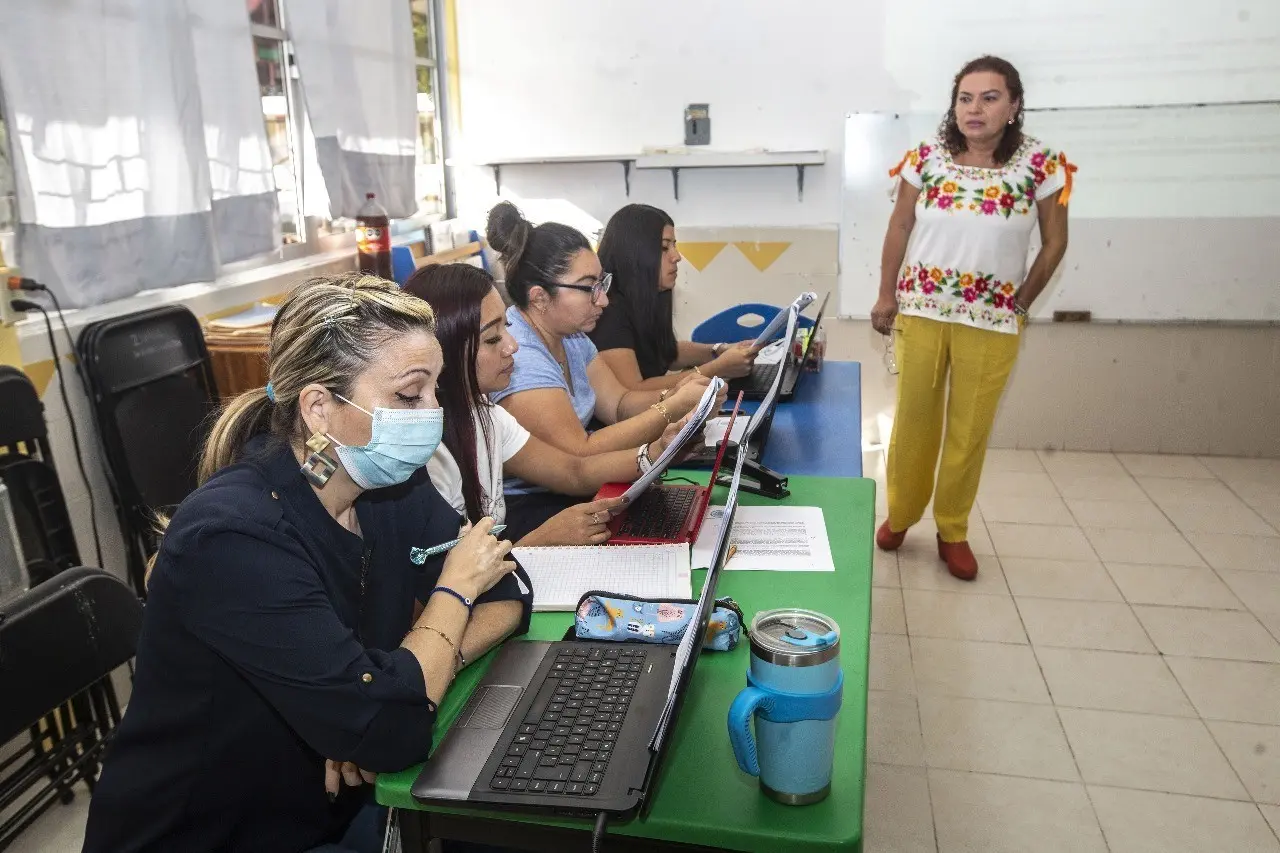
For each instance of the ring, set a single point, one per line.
(595, 517)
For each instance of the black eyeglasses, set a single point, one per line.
(600, 288)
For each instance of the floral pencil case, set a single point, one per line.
(607, 616)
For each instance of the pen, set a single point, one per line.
(733, 549)
(419, 555)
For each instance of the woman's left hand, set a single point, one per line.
(337, 772)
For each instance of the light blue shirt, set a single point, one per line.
(537, 368)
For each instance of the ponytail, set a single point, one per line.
(244, 417)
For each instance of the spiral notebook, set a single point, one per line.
(561, 575)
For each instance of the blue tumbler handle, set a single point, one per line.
(740, 737)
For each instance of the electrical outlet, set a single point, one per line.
(7, 315)
(697, 124)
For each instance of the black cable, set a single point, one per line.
(28, 305)
(597, 835)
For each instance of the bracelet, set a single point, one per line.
(662, 410)
(643, 462)
(441, 634)
(716, 349)
(470, 605)
(698, 370)
(1018, 309)
(663, 395)
(462, 662)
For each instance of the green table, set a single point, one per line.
(703, 799)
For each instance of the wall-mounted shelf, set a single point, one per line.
(675, 162)
(732, 160)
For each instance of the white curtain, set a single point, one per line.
(112, 143)
(358, 78)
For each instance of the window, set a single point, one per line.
(271, 54)
(8, 200)
(429, 174)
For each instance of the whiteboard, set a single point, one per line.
(1175, 211)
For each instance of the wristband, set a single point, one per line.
(468, 603)
(643, 462)
(662, 410)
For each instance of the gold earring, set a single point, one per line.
(318, 468)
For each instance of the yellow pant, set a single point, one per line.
(979, 362)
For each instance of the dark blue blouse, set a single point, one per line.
(271, 642)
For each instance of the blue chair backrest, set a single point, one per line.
(728, 326)
(402, 265)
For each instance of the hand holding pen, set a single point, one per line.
(477, 562)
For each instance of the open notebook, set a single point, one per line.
(561, 575)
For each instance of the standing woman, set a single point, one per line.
(559, 387)
(955, 287)
(292, 639)
(635, 335)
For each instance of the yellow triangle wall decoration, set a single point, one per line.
(762, 255)
(700, 254)
(40, 373)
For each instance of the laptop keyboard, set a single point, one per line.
(659, 513)
(567, 738)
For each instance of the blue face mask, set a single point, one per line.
(402, 442)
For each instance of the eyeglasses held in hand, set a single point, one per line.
(600, 288)
(890, 360)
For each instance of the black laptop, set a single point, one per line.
(755, 385)
(571, 727)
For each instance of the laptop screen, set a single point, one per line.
(765, 408)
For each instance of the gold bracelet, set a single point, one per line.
(441, 634)
(662, 410)
(698, 370)
(663, 395)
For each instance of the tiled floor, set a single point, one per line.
(1111, 682)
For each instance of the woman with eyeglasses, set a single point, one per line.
(558, 385)
(482, 440)
(635, 334)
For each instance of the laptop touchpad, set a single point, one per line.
(490, 706)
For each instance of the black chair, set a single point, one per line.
(153, 391)
(59, 643)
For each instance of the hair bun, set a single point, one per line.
(508, 232)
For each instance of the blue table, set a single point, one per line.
(819, 431)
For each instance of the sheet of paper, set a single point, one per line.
(705, 408)
(800, 303)
(770, 538)
(561, 575)
(773, 353)
(258, 315)
(713, 432)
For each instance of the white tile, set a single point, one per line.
(927, 571)
(1272, 814)
(897, 817)
(1040, 541)
(1119, 515)
(980, 813)
(1256, 492)
(59, 829)
(1168, 490)
(1012, 461)
(1179, 586)
(1029, 484)
(893, 729)
(923, 538)
(977, 670)
(884, 569)
(1112, 681)
(1164, 465)
(889, 667)
(1171, 754)
(1218, 517)
(886, 611)
(1247, 470)
(1228, 551)
(1149, 822)
(1009, 738)
(1103, 625)
(1059, 579)
(1254, 751)
(956, 616)
(1260, 591)
(1143, 546)
(1195, 633)
(1017, 509)
(1081, 464)
(1238, 691)
(1112, 488)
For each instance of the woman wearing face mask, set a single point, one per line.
(635, 335)
(559, 386)
(482, 441)
(296, 639)
(955, 289)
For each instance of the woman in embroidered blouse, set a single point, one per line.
(955, 287)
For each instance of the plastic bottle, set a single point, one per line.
(373, 239)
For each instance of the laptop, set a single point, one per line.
(755, 385)
(571, 727)
(663, 512)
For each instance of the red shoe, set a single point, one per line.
(959, 559)
(887, 540)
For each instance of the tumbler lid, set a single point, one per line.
(794, 637)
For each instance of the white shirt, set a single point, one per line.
(968, 250)
(506, 439)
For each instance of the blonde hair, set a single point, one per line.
(327, 332)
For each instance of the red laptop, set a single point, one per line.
(664, 512)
